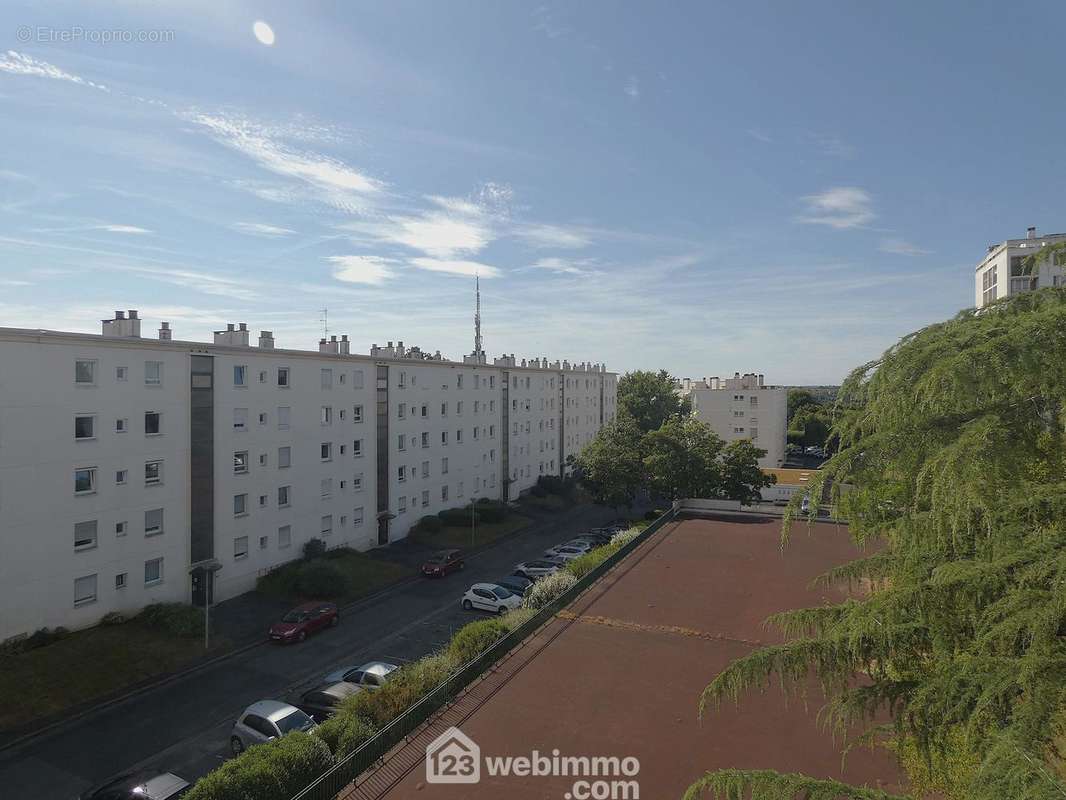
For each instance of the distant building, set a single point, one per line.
(1002, 273)
(743, 407)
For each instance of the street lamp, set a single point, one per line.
(473, 520)
(205, 571)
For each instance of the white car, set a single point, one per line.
(490, 597)
(538, 568)
(266, 720)
(568, 551)
(371, 675)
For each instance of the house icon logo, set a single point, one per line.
(453, 757)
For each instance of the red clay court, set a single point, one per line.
(621, 671)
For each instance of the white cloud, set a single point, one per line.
(15, 63)
(460, 229)
(553, 236)
(901, 247)
(122, 229)
(261, 229)
(453, 267)
(11, 282)
(361, 269)
(762, 136)
(581, 268)
(632, 87)
(839, 207)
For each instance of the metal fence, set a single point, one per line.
(329, 784)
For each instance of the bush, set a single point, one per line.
(399, 693)
(39, 638)
(345, 732)
(113, 618)
(583, 565)
(276, 770)
(652, 515)
(314, 548)
(476, 638)
(430, 524)
(458, 517)
(176, 619)
(620, 540)
(538, 491)
(547, 589)
(552, 484)
(321, 580)
(491, 511)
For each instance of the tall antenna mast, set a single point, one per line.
(324, 319)
(477, 316)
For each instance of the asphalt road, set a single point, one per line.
(183, 726)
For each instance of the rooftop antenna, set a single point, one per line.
(324, 319)
(477, 315)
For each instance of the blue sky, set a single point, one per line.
(704, 187)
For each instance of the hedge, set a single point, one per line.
(548, 588)
(276, 770)
(430, 524)
(314, 548)
(177, 619)
(475, 638)
(321, 580)
(459, 517)
(491, 511)
(345, 731)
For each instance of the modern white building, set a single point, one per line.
(743, 407)
(126, 462)
(1002, 271)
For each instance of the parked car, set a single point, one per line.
(321, 702)
(266, 720)
(441, 563)
(805, 505)
(145, 784)
(595, 539)
(515, 583)
(537, 568)
(490, 597)
(371, 675)
(305, 619)
(568, 552)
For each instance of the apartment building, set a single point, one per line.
(743, 407)
(1002, 272)
(136, 470)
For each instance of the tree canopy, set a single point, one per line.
(953, 445)
(650, 398)
(809, 419)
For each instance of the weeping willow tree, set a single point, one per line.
(952, 461)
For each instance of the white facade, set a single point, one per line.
(125, 460)
(1001, 273)
(743, 407)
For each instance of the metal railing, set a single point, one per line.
(329, 784)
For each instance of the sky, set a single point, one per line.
(706, 188)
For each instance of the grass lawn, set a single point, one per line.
(89, 664)
(453, 536)
(364, 573)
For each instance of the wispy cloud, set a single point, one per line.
(832, 145)
(582, 267)
(361, 269)
(454, 267)
(839, 207)
(901, 247)
(13, 282)
(261, 229)
(204, 282)
(760, 135)
(555, 236)
(15, 63)
(121, 229)
(632, 87)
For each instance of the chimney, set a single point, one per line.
(761, 380)
(328, 345)
(164, 332)
(232, 336)
(133, 311)
(266, 340)
(1030, 233)
(992, 247)
(121, 327)
(345, 345)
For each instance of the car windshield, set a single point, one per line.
(296, 721)
(294, 616)
(501, 592)
(439, 558)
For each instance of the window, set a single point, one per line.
(240, 462)
(357, 379)
(153, 522)
(120, 580)
(401, 474)
(240, 547)
(326, 527)
(122, 425)
(263, 376)
(326, 487)
(325, 451)
(240, 505)
(85, 590)
(341, 412)
(357, 413)
(264, 542)
(121, 476)
(492, 382)
(459, 435)
(357, 482)
(85, 480)
(401, 410)
(327, 379)
(153, 473)
(425, 498)
(122, 374)
(153, 571)
(357, 448)
(240, 375)
(284, 496)
(152, 425)
(120, 529)
(475, 431)
(459, 407)
(84, 427)
(444, 409)
(263, 500)
(425, 440)
(403, 380)
(753, 433)
(403, 506)
(85, 535)
(240, 419)
(283, 377)
(492, 431)
(425, 410)
(401, 442)
(284, 457)
(327, 415)
(85, 374)
(284, 536)
(262, 459)
(459, 381)
(459, 489)
(444, 466)
(425, 469)
(477, 406)
(284, 414)
(342, 449)
(153, 373)
(754, 402)
(444, 493)
(444, 437)
(357, 517)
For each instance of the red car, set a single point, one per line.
(305, 619)
(440, 564)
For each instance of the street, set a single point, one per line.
(183, 726)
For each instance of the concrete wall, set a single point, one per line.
(734, 413)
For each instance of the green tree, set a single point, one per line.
(611, 466)
(682, 459)
(740, 477)
(650, 398)
(953, 445)
(799, 399)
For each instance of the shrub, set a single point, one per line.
(430, 524)
(321, 580)
(491, 511)
(314, 548)
(458, 517)
(538, 491)
(345, 732)
(476, 638)
(547, 589)
(113, 618)
(583, 565)
(39, 638)
(398, 694)
(273, 771)
(652, 515)
(620, 540)
(176, 619)
(552, 484)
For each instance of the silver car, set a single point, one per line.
(568, 551)
(371, 675)
(266, 720)
(538, 568)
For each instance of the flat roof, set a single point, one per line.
(620, 672)
(787, 476)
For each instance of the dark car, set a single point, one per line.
(515, 583)
(145, 784)
(441, 563)
(303, 620)
(321, 703)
